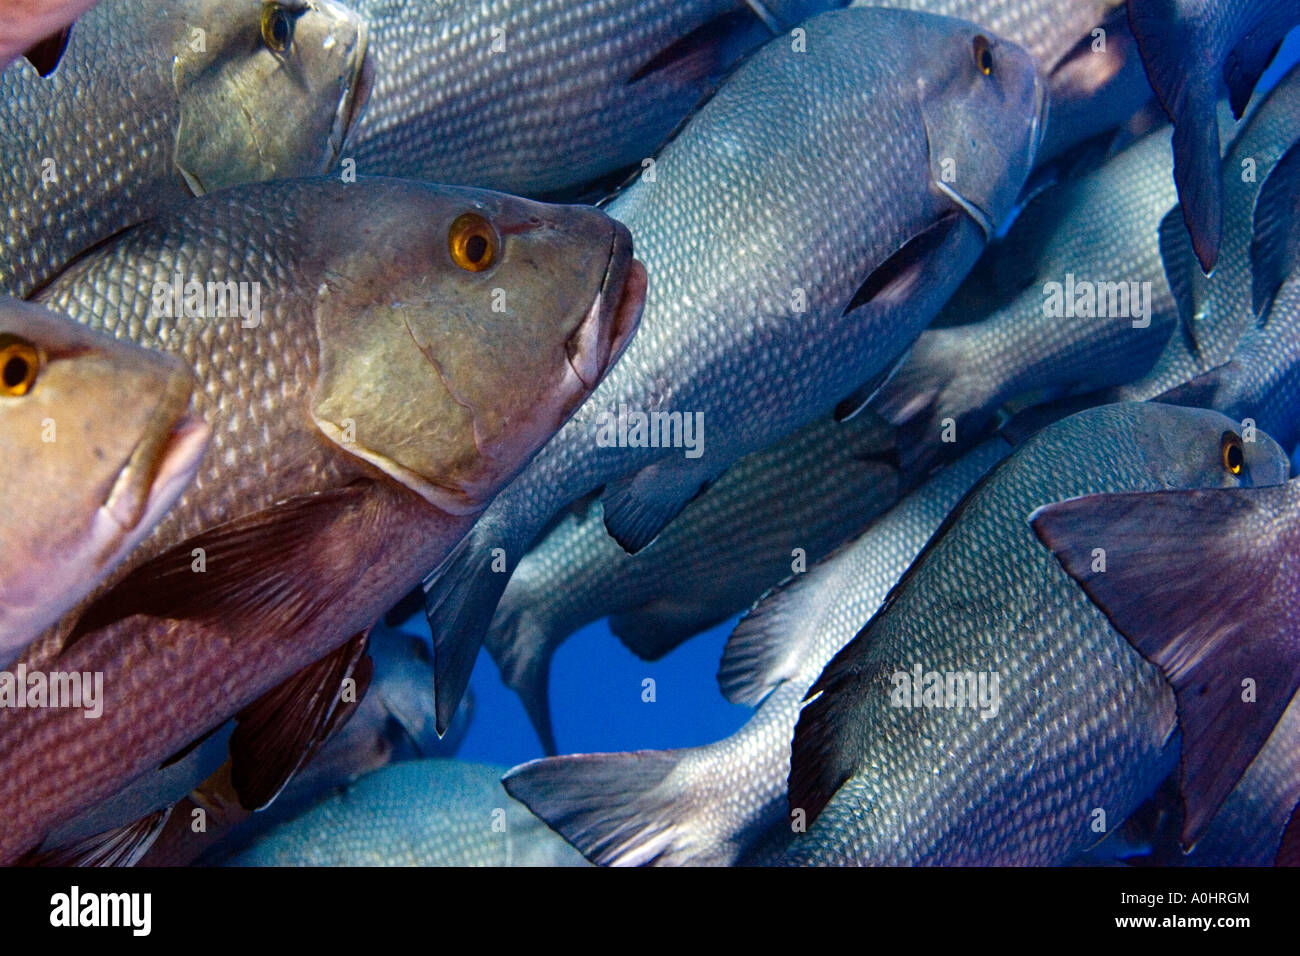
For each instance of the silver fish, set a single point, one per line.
(1216, 311)
(1093, 311)
(540, 97)
(712, 804)
(424, 813)
(1260, 386)
(1188, 47)
(989, 713)
(786, 506)
(1175, 585)
(96, 444)
(155, 100)
(765, 309)
(364, 410)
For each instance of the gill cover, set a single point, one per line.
(265, 90)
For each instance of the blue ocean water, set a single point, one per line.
(596, 699)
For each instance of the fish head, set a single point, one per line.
(266, 90)
(1201, 448)
(984, 102)
(460, 328)
(98, 444)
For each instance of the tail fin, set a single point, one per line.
(620, 809)
(1184, 580)
(459, 601)
(523, 647)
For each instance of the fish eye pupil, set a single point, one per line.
(277, 27)
(476, 248)
(1234, 458)
(15, 372)
(986, 62)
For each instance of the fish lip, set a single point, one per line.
(355, 96)
(607, 328)
(162, 464)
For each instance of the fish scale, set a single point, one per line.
(331, 259)
(110, 134)
(422, 813)
(721, 334)
(1221, 308)
(1101, 228)
(251, 379)
(1084, 722)
(713, 804)
(810, 492)
(557, 108)
(1048, 29)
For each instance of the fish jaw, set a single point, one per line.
(356, 91)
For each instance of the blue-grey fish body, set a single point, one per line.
(765, 307)
(1190, 48)
(1095, 309)
(1202, 583)
(1261, 383)
(543, 97)
(785, 506)
(1217, 310)
(710, 804)
(154, 101)
(989, 713)
(421, 813)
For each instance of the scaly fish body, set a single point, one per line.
(95, 447)
(316, 503)
(543, 97)
(785, 506)
(778, 288)
(1191, 47)
(1097, 311)
(1219, 310)
(1078, 728)
(153, 101)
(711, 804)
(25, 24)
(424, 813)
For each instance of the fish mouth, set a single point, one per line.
(161, 466)
(607, 328)
(355, 96)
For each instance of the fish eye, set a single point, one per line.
(473, 242)
(277, 27)
(1234, 458)
(20, 363)
(983, 55)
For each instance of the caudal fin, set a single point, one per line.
(1200, 583)
(619, 809)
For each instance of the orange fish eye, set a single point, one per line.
(983, 55)
(1234, 458)
(20, 363)
(473, 242)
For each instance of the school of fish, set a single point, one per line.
(947, 351)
